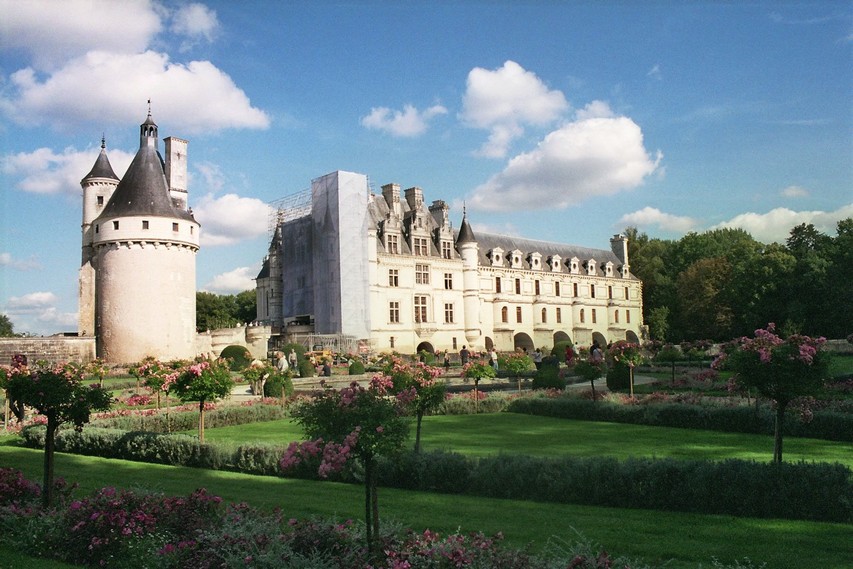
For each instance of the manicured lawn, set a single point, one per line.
(481, 435)
(687, 539)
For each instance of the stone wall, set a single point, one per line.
(54, 349)
(254, 338)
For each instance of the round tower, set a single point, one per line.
(145, 264)
(98, 187)
(468, 249)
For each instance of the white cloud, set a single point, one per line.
(595, 110)
(230, 218)
(7, 260)
(44, 171)
(582, 160)
(36, 313)
(654, 72)
(197, 22)
(53, 32)
(31, 301)
(795, 192)
(776, 224)
(653, 217)
(506, 99)
(66, 97)
(233, 282)
(406, 123)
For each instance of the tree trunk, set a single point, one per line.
(49, 446)
(592, 385)
(374, 506)
(777, 431)
(418, 432)
(201, 421)
(368, 503)
(631, 379)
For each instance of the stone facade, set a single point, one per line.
(393, 273)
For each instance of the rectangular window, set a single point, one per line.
(628, 316)
(592, 291)
(616, 316)
(144, 224)
(420, 309)
(497, 284)
(174, 227)
(394, 312)
(454, 343)
(544, 315)
(518, 314)
(392, 342)
(393, 277)
(559, 316)
(421, 274)
(610, 292)
(392, 244)
(594, 319)
(626, 293)
(446, 250)
(575, 289)
(420, 246)
(536, 285)
(448, 313)
(517, 286)
(557, 288)
(448, 281)
(115, 224)
(191, 229)
(100, 200)
(97, 229)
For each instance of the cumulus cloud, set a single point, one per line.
(504, 101)
(230, 218)
(44, 171)
(233, 282)
(53, 32)
(653, 217)
(32, 301)
(7, 260)
(795, 192)
(65, 98)
(197, 22)
(776, 224)
(406, 123)
(583, 159)
(37, 313)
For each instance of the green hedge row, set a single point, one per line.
(225, 416)
(810, 491)
(158, 448)
(827, 425)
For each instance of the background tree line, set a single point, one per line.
(214, 311)
(723, 283)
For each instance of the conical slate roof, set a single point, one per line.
(466, 235)
(143, 190)
(102, 167)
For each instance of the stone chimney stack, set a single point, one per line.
(415, 198)
(391, 193)
(176, 170)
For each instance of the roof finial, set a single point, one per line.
(103, 141)
(149, 107)
(463, 208)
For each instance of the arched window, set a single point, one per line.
(504, 314)
(583, 317)
(544, 315)
(616, 316)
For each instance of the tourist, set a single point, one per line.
(327, 369)
(464, 354)
(291, 358)
(446, 361)
(570, 356)
(493, 359)
(537, 358)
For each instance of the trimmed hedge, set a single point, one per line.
(827, 425)
(809, 491)
(225, 416)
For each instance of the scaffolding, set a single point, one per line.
(288, 208)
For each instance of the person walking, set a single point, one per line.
(464, 354)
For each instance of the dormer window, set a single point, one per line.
(608, 269)
(574, 265)
(515, 259)
(590, 267)
(496, 256)
(535, 260)
(555, 263)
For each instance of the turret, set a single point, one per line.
(619, 246)
(468, 249)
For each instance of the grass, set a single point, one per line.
(511, 433)
(688, 540)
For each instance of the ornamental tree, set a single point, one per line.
(416, 385)
(477, 370)
(590, 371)
(58, 393)
(780, 369)
(627, 354)
(203, 381)
(354, 423)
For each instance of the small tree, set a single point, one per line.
(203, 381)
(477, 370)
(57, 392)
(417, 386)
(354, 423)
(779, 369)
(590, 371)
(628, 354)
(669, 354)
(515, 363)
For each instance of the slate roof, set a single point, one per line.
(102, 167)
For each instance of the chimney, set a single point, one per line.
(176, 170)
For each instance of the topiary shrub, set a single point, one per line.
(618, 377)
(306, 369)
(278, 382)
(548, 376)
(356, 367)
(238, 357)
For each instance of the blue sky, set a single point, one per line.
(561, 121)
